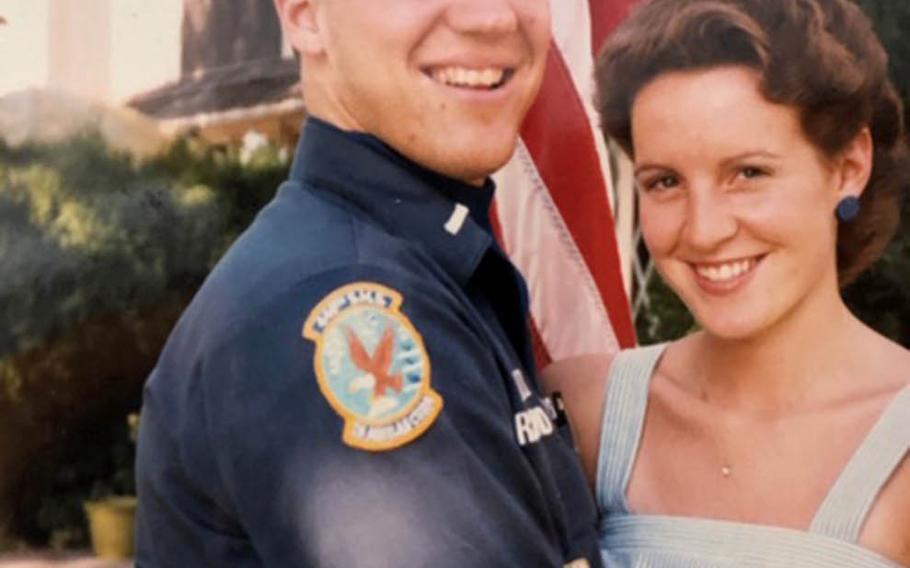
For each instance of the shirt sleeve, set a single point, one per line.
(357, 419)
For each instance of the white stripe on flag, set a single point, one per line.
(572, 35)
(565, 302)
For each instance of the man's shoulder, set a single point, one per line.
(298, 241)
(296, 230)
(300, 250)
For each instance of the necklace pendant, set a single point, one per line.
(726, 471)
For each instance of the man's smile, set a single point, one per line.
(482, 78)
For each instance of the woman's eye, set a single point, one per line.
(660, 183)
(750, 172)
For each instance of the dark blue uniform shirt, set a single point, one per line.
(353, 386)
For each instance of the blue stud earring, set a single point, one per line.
(848, 208)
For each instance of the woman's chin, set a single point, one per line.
(726, 328)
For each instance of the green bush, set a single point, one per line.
(99, 254)
(83, 231)
(891, 19)
(881, 296)
(665, 318)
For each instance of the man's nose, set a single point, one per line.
(485, 17)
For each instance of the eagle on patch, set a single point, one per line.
(378, 366)
(379, 384)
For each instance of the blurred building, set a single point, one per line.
(219, 67)
(102, 50)
(236, 75)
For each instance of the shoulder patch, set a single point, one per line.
(372, 366)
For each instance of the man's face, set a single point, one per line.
(445, 82)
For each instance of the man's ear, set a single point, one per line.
(301, 26)
(855, 164)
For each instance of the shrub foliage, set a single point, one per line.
(99, 255)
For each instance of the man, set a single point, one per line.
(354, 385)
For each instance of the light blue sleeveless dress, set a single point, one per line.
(656, 541)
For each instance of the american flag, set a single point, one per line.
(553, 205)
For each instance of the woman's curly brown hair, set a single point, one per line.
(819, 56)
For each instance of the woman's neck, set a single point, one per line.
(798, 362)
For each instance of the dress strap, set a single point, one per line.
(623, 420)
(847, 505)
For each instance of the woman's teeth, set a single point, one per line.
(726, 271)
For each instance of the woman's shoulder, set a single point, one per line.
(886, 531)
(582, 372)
(570, 371)
(882, 363)
(582, 381)
(886, 376)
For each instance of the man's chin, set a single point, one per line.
(473, 167)
(476, 176)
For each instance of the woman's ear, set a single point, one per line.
(301, 26)
(854, 165)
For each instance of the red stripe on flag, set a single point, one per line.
(560, 140)
(496, 224)
(541, 353)
(605, 16)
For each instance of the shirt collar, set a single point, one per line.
(448, 216)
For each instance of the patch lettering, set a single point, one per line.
(521, 385)
(531, 425)
(372, 366)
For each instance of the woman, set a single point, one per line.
(769, 156)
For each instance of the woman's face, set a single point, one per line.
(737, 206)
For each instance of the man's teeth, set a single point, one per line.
(474, 78)
(725, 272)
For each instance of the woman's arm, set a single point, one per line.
(582, 381)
